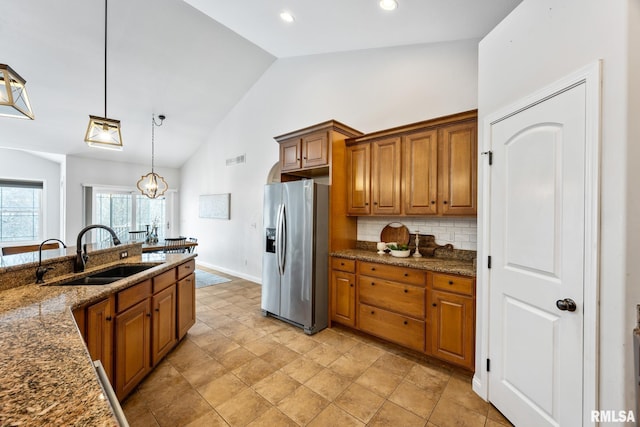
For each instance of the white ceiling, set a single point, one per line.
(165, 56)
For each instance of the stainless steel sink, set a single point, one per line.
(108, 276)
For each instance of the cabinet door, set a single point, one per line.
(358, 179)
(290, 154)
(452, 328)
(133, 343)
(186, 304)
(420, 165)
(163, 323)
(385, 176)
(99, 334)
(458, 169)
(343, 298)
(315, 150)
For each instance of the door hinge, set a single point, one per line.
(488, 365)
(489, 261)
(490, 154)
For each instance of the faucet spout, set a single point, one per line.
(81, 259)
(41, 271)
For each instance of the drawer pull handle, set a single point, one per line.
(451, 282)
(406, 323)
(406, 291)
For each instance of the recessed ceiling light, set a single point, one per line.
(287, 16)
(388, 4)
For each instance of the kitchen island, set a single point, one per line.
(46, 373)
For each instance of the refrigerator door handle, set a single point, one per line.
(279, 239)
(283, 241)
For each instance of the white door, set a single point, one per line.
(537, 234)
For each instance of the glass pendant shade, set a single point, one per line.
(14, 101)
(152, 185)
(104, 133)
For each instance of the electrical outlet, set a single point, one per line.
(124, 254)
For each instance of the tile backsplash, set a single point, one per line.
(460, 232)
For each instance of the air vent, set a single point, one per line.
(236, 160)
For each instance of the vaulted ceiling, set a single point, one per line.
(191, 60)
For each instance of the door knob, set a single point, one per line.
(566, 304)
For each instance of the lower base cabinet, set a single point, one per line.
(430, 312)
(133, 344)
(131, 331)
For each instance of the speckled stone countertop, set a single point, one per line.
(46, 374)
(463, 267)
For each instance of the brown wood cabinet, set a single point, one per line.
(186, 290)
(426, 168)
(385, 176)
(99, 320)
(343, 291)
(391, 303)
(133, 344)
(431, 312)
(163, 323)
(132, 330)
(452, 318)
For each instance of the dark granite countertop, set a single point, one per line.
(463, 267)
(46, 374)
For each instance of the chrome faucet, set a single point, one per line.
(81, 252)
(41, 271)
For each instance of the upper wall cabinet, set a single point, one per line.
(426, 168)
(307, 152)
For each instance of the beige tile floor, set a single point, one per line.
(238, 368)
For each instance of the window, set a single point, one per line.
(125, 211)
(20, 211)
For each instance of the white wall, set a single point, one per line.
(368, 90)
(537, 44)
(101, 172)
(16, 164)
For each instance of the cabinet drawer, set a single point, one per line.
(393, 327)
(186, 269)
(133, 295)
(450, 283)
(398, 297)
(343, 264)
(164, 280)
(391, 272)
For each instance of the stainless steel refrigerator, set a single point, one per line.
(295, 284)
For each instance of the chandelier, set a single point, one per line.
(153, 185)
(103, 132)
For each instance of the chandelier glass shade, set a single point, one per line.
(153, 185)
(103, 132)
(14, 101)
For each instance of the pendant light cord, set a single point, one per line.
(105, 58)
(153, 125)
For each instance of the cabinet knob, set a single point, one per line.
(445, 202)
(406, 291)
(305, 157)
(157, 309)
(405, 322)
(351, 284)
(108, 319)
(373, 284)
(148, 314)
(187, 267)
(433, 202)
(375, 203)
(406, 274)
(373, 269)
(451, 282)
(366, 204)
(342, 263)
(434, 304)
(373, 312)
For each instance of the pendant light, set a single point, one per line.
(103, 132)
(14, 101)
(153, 185)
